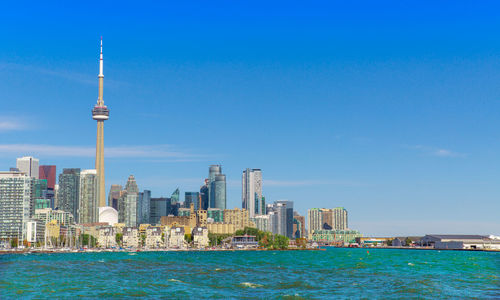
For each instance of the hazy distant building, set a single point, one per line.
(251, 194)
(69, 190)
(88, 206)
(15, 199)
(143, 207)
(131, 202)
(28, 165)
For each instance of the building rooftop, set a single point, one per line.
(457, 236)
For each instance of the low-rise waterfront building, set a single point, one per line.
(455, 241)
(155, 238)
(200, 237)
(373, 241)
(336, 236)
(130, 237)
(244, 241)
(176, 238)
(107, 237)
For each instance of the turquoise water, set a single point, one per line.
(335, 273)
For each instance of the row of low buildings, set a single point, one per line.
(151, 237)
(435, 241)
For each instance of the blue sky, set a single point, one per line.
(388, 109)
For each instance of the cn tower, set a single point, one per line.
(100, 113)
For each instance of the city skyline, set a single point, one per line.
(403, 138)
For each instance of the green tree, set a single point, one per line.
(389, 242)
(408, 242)
(188, 238)
(301, 242)
(88, 240)
(14, 243)
(280, 242)
(143, 239)
(119, 238)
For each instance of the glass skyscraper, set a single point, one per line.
(88, 207)
(251, 194)
(130, 217)
(218, 192)
(143, 207)
(69, 190)
(158, 209)
(192, 197)
(204, 196)
(15, 199)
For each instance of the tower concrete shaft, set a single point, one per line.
(100, 113)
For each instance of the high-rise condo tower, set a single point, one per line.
(100, 113)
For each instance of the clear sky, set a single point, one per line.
(389, 109)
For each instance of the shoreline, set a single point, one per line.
(322, 248)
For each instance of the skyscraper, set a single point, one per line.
(204, 195)
(100, 113)
(114, 195)
(48, 173)
(218, 191)
(88, 210)
(299, 226)
(326, 219)
(131, 202)
(15, 199)
(251, 194)
(281, 219)
(143, 207)
(191, 197)
(216, 187)
(314, 220)
(213, 170)
(28, 165)
(69, 190)
(340, 218)
(175, 196)
(158, 209)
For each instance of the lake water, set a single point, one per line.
(334, 273)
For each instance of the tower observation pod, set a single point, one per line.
(100, 113)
